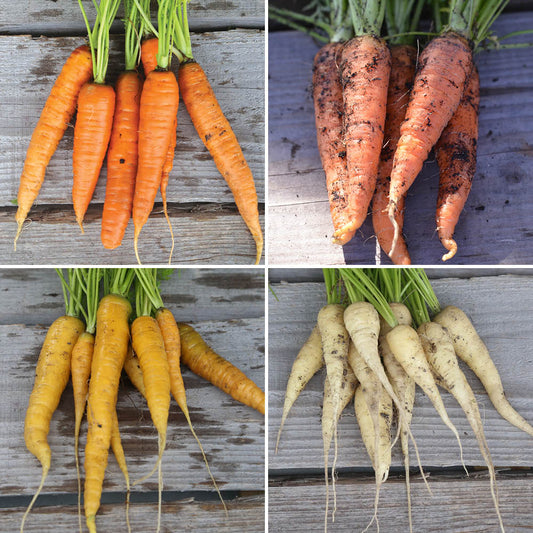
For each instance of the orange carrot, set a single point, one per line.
(456, 157)
(365, 68)
(121, 160)
(202, 360)
(443, 70)
(403, 63)
(96, 105)
(218, 137)
(55, 117)
(159, 107)
(327, 97)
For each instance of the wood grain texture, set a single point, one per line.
(234, 62)
(227, 308)
(58, 16)
(494, 226)
(500, 307)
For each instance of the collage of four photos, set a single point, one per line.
(266, 266)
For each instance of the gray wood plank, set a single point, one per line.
(456, 506)
(499, 307)
(195, 184)
(63, 17)
(494, 225)
(32, 296)
(245, 513)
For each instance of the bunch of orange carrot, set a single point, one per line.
(94, 355)
(381, 109)
(134, 123)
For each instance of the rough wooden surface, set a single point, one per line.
(495, 225)
(200, 202)
(232, 434)
(500, 307)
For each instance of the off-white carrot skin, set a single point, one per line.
(335, 342)
(404, 387)
(407, 349)
(308, 362)
(380, 457)
(440, 353)
(472, 350)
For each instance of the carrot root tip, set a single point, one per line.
(451, 246)
(80, 224)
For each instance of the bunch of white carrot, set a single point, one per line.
(366, 338)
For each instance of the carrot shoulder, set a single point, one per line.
(217, 135)
(403, 64)
(456, 156)
(55, 117)
(365, 68)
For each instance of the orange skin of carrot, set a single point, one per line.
(218, 137)
(365, 68)
(159, 107)
(96, 106)
(121, 160)
(403, 59)
(203, 361)
(110, 349)
(443, 70)
(456, 157)
(327, 97)
(55, 117)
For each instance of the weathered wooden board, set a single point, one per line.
(499, 307)
(234, 61)
(33, 296)
(457, 506)
(245, 513)
(62, 16)
(232, 434)
(494, 228)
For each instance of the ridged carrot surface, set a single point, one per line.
(456, 156)
(403, 64)
(55, 117)
(365, 68)
(121, 160)
(328, 102)
(202, 360)
(96, 105)
(218, 137)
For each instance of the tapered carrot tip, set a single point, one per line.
(344, 234)
(451, 246)
(258, 238)
(136, 233)
(80, 224)
(91, 523)
(391, 211)
(19, 230)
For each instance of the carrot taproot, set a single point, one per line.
(443, 70)
(159, 106)
(96, 106)
(455, 152)
(328, 103)
(365, 68)
(55, 117)
(51, 378)
(206, 363)
(111, 346)
(133, 371)
(403, 64)
(121, 160)
(216, 133)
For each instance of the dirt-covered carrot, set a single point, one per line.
(159, 107)
(122, 152)
(456, 156)
(94, 119)
(206, 363)
(111, 346)
(55, 117)
(51, 378)
(215, 131)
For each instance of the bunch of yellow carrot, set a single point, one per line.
(134, 123)
(366, 338)
(149, 349)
